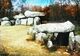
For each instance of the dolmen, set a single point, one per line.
(5, 21)
(17, 19)
(54, 33)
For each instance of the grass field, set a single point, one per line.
(13, 43)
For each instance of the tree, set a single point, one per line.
(5, 8)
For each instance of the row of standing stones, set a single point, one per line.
(19, 21)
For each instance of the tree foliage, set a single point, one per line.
(63, 11)
(5, 8)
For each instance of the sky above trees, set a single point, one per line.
(32, 2)
(18, 3)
